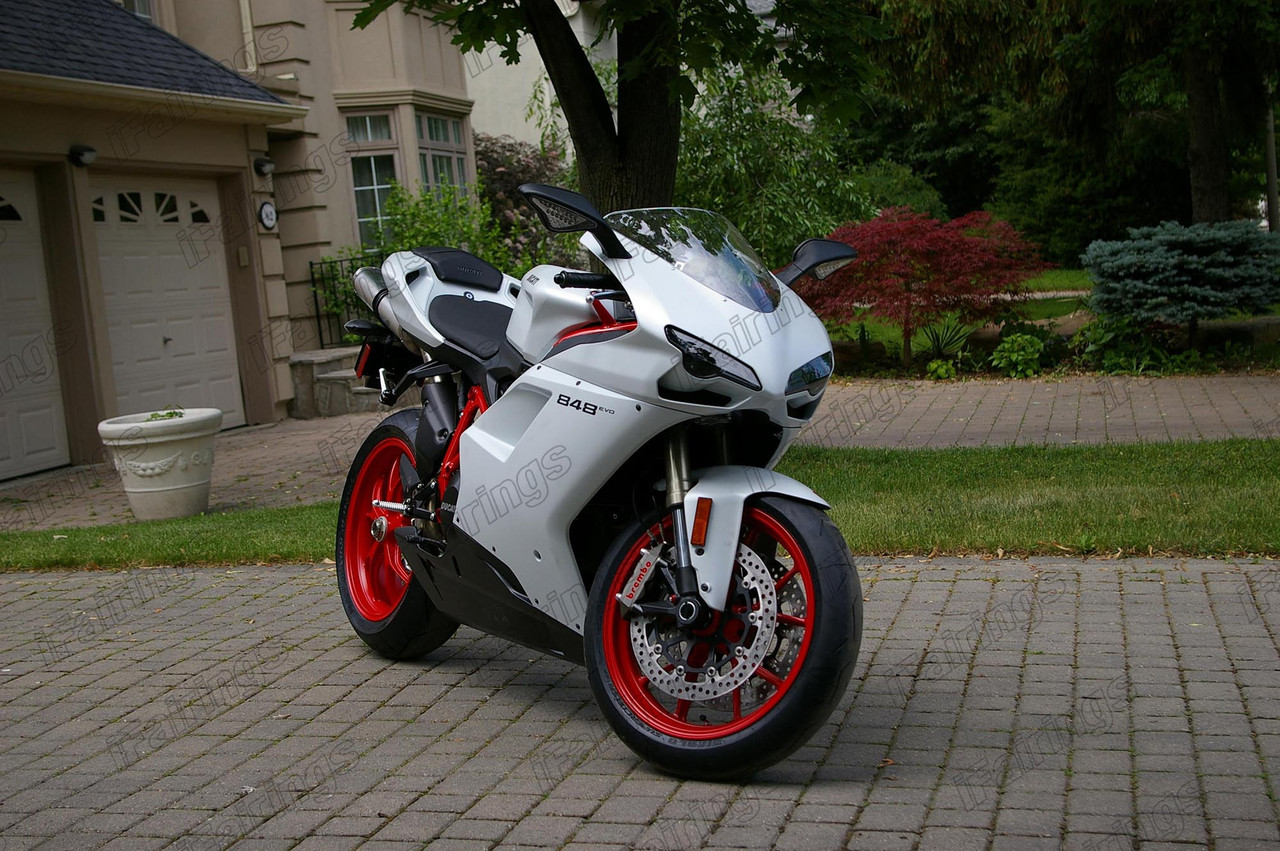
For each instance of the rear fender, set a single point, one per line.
(406, 419)
(729, 488)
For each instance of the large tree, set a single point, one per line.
(1084, 54)
(663, 45)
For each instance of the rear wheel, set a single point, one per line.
(747, 687)
(386, 606)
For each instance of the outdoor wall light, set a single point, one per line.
(264, 166)
(82, 156)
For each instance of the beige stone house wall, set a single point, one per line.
(307, 52)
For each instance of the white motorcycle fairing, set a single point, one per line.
(532, 462)
(729, 488)
(589, 397)
(562, 409)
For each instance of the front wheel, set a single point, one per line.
(386, 606)
(739, 692)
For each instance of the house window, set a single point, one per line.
(373, 176)
(442, 154)
(373, 168)
(369, 128)
(141, 8)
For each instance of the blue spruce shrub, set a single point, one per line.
(1177, 274)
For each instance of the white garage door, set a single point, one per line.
(33, 431)
(168, 306)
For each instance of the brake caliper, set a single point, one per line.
(649, 563)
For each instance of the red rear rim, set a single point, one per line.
(376, 575)
(772, 679)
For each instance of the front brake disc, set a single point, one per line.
(706, 664)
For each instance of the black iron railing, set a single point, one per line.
(335, 298)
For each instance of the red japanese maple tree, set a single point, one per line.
(913, 271)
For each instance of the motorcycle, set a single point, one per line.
(591, 474)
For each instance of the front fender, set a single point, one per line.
(728, 488)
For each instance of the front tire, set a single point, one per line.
(740, 693)
(386, 606)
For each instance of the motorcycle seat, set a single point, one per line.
(478, 327)
(455, 266)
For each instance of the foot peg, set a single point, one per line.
(407, 510)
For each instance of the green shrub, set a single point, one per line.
(1175, 274)
(889, 184)
(449, 215)
(1120, 346)
(745, 153)
(1018, 356)
(1055, 347)
(502, 165)
(941, 370)
(945, 340)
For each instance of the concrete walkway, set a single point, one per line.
(997, 704)
(1042, 704)
(1094, 409)
(297, 461)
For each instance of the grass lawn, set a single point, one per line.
(1060, 280)
(302, 534)
(1051, 308)
(1213, 498)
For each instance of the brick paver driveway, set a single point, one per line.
(997, 704)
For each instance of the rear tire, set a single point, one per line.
(386, 606)
(778, 678)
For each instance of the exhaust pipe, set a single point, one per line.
(373, 291)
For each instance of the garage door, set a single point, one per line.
(33, 430)
(169, 320)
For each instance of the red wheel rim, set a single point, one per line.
(376, 575)
(754, 699)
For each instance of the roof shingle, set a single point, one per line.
(101, 41)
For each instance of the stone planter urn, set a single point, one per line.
(165, 459)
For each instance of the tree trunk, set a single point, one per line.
(648, 119)
(907, 333)
(634, 164)
(1273, 193)
(1207, 154)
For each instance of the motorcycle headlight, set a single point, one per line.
(703, 360)
(813, 375)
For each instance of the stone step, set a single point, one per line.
(306, 368)
(343, 392)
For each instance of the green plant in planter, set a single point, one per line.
(1018, 356)
(941, 370)
(170, 412)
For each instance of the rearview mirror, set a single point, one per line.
(562, 211)
(820, 257)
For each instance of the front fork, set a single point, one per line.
(690, 606)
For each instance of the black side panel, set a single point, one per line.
(436, 423)
(471, 586)
(494, 374)
(461, 267)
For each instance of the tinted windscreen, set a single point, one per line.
(706, 247)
